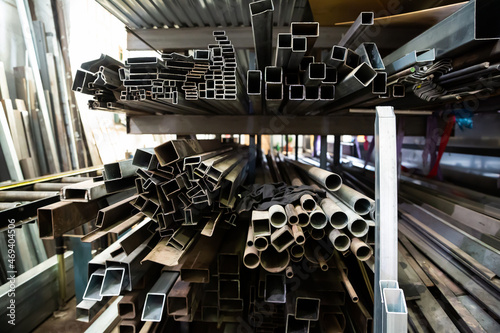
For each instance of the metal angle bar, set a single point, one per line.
(363, 21)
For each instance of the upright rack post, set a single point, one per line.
(390, 313)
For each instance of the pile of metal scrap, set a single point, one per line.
(204, 83)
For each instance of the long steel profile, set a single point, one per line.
(352, 37)
(299, 49)
(254, 89)
(359, 78)
(114, 213)
(369, 53)
(92, 291)
(328, 179)
(145, 158)
(83, 192)
(339, 239)
(361, 250)
(156, 297)
(275, 288)
(283, 49)
(282, 238)
(336, 57)
(357, 201)
(277, 216)
(309, 30)
(262, 28)
(336, 216)
(460, 30)
(356, 225)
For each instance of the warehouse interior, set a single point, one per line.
(270, 166)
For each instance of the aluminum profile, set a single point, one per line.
(262, 28)
(352, 37)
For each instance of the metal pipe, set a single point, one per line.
(275, 288)
(369, 53)
(345, 280)
(11, 196)
(303, 216)
(352, 36)
(339, 239)
(309, 30)
(318, 218)
(298, 234)
(359, 78)
(282, 238)
(356, 225)
(261, 243)
(297, 251)
(289, 272)
(254, 89)
(48, 186)
(293, 218)
(251, 257)
(277, 216)
(308, 203)
(274, 261)
(361, 250)
(155, 299)
(357, 201)
(335, 214)
(316, 234)
(299, 48)
(328, 179)
(283, 49)
(307, 308)
(262, 29)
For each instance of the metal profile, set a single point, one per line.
(83, 192)
(262, 29)
(355, 32)
(369, 53)
(155, 299)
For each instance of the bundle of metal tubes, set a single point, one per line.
(206, 82)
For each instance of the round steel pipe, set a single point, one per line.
(358, 202)
(10, 196)
(250, 235)
(251, 258)
(317, 234)
(315, 249)
(318, 218)
(48, 186)
(261, 243)
(289, 272)
(356, 225)
(328, 179)
(293, 218)
(335, 214)
(8, 205)
(307, 202)
(361, 250)
(274, 261)
(298, 234)
(297, 251)
(303, 216)
(341, 242)
(277, 216)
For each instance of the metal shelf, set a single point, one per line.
(269, 124)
